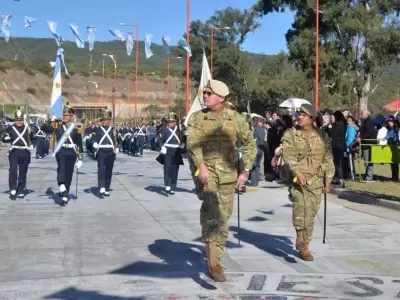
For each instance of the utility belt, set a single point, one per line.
(18, 147)
(40, 136)
(105, 146)
(69, 146)
(171, 145)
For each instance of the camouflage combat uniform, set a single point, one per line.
(212, 140)
(312, 157)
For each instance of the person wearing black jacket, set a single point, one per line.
(368, 132)
(259, 135)
(337, 133)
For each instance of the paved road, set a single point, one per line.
(141, 244)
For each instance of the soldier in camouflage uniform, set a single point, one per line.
(211, 137)
(308, 157)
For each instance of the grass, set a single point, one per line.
(383, 187)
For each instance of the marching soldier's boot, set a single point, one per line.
(63, 194)
(215, 269)
(305, 253)
(13, 195)
(300, 243)
(103, 192)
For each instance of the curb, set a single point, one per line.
(362, 198)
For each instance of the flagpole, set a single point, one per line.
(317, 55)
(212, 50)
(188, 58)
(137, 65)
(168, 86)
(115, 91)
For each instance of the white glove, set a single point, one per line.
(163, 150)
(7, 138)
(95, 145)
(240, 155)
(116, 150)
(79, 164)
(183, 146)
(30, 147)
(53, 118)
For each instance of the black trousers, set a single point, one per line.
(171, 171)
(19, 161)
(395, 171)
(40, 146)
(105, 163)
(140, 144)
(65, 169)
(46, 146)
(338, 157)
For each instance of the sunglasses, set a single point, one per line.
(209, 94)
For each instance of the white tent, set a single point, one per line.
(198, 101)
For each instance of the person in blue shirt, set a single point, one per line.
(391, 137)
(350, 138)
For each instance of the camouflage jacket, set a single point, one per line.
(212, 140)
(308, 155)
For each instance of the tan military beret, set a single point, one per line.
(218, 87)
(309, 110)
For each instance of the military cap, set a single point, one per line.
(68, 110)
(172, 117)
(19, 115)
(309, 110)
(218, 87)
(105, 114)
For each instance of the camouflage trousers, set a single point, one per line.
(306, 201)
(216, 210)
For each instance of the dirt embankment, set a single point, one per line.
(93, 90)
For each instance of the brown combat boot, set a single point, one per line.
(305, 254)
(215, 269)
(300, 243)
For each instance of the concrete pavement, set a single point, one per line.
(141, 244)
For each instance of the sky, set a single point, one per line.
(158, 17)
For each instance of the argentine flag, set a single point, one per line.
(56, 95)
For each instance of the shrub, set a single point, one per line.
(31, 90)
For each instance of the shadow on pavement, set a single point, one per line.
(161, 190)
(74, 294)
(277, 245)
(257, 219)
(180, 260)
(267, 212)
(94, 190)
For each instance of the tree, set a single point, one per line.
(230, 64)
(358, 41)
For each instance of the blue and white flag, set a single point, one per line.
(80, 42)
(56, 95)
(129, 42)
(147, 43)
(28, 21)
(165, 41)
(53, 29)
(185, 45)
(91, 37)
(118, 34)
(5, 26)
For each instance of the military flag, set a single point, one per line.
(147, 43)
(80, 42)
(118, 34)
(129, 43)
(53, 29)
(165, 41)
(28, 21)
(91, 36)
(5, 26)
(185, 45)
(56, 95)
(198, 103)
